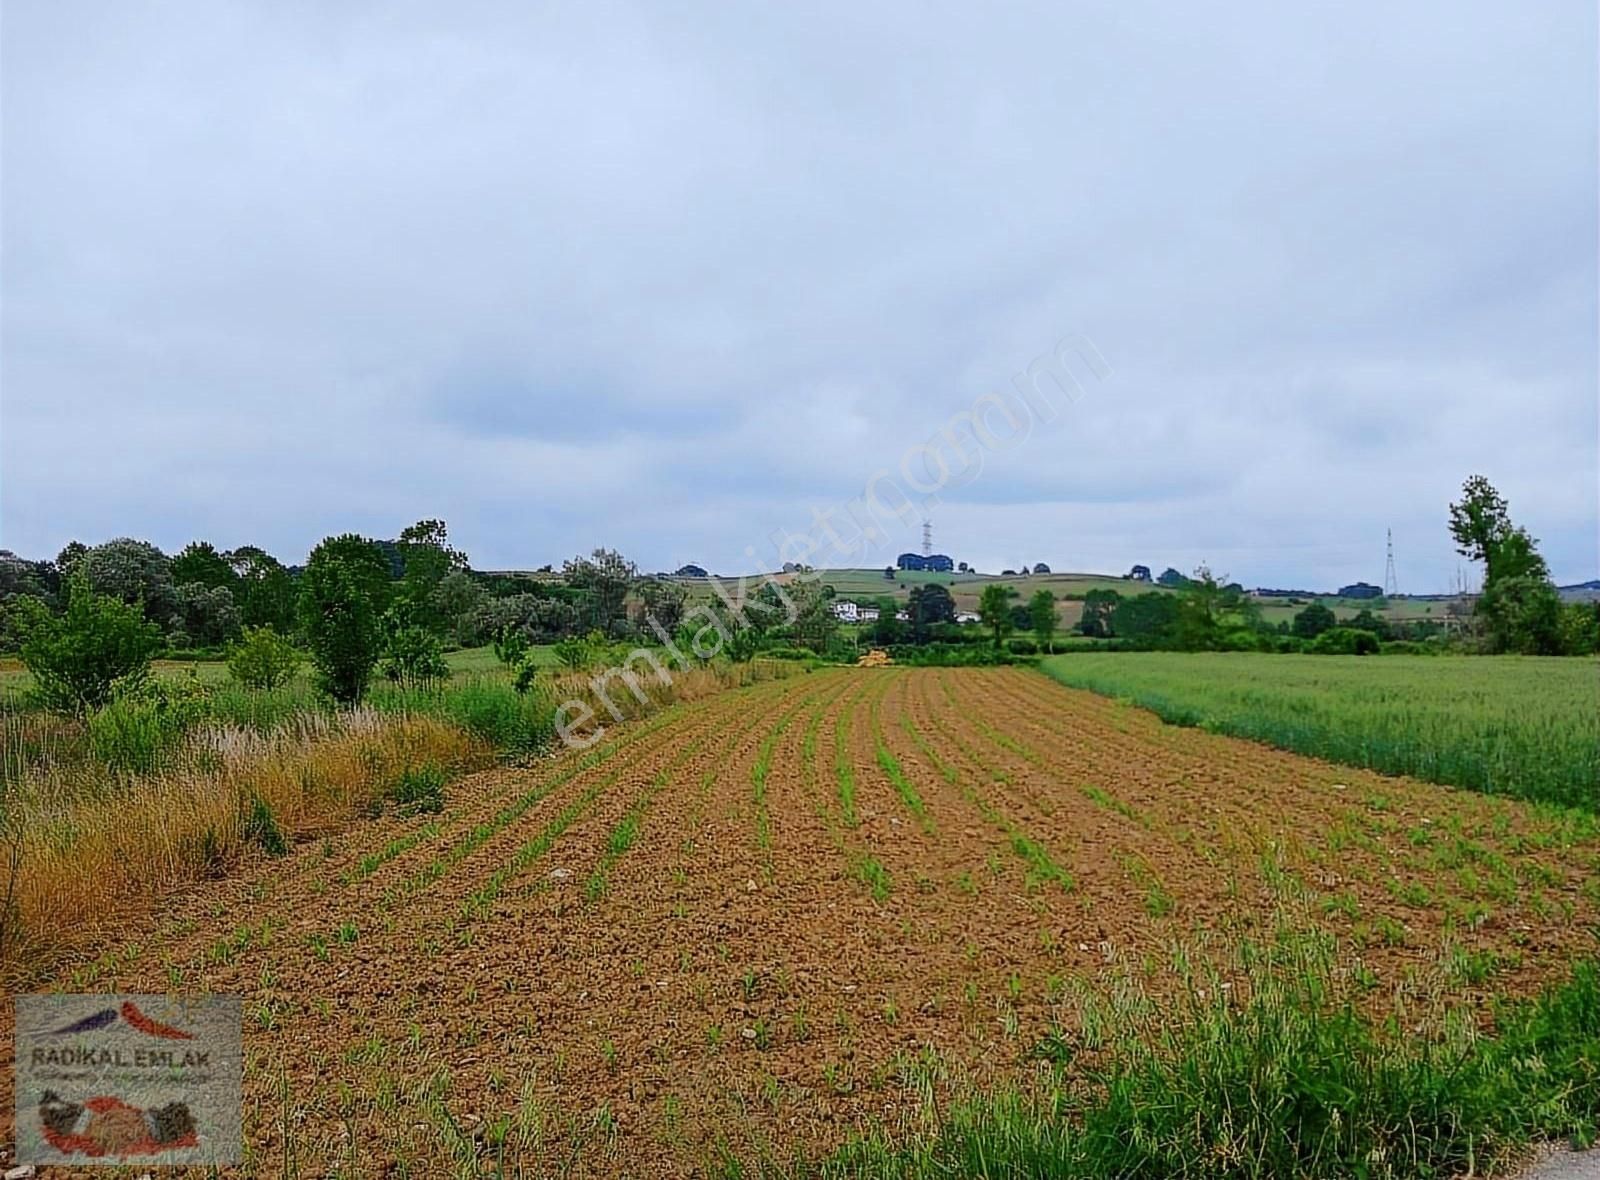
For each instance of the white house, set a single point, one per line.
(967, 617)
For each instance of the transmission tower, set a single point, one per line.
(1391, 584)
(927, 537)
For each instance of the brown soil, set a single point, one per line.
(762, 967)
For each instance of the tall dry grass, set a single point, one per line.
(92, 857)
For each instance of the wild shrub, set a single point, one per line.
(414, 659)
(1344, 641)
(78, 658)
(263, 659)
(420, 789)
(260, 827)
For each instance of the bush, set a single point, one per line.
(144, 721)
(263, 659)
(261, 827)
(420, 789)
(415, 659)
(1022, 647)
(79, 658)
(1344, 641)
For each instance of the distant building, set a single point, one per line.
(938, 563)
(846, 611)
(691, 571)
(867, 614)
(1361, 590)
(1140, 573)
(967, 616)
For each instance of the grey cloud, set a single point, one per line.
(602, 275)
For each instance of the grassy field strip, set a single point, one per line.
(894, 772)
(480, 899)
(1507, 725)
(1041, 866)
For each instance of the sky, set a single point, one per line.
(673, 278)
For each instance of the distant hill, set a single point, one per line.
(1580, 591)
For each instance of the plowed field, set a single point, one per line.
(734, 928)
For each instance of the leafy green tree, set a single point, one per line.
(199, 562)
(428, 559)
(80, 657)
(662, 602)
(511, 646)
(1099, 607)
(339, 616)
(929, 606)
(1313, 621)
(455, 598)
(1365, 620)
(263, 659)
(887, 629)
(1148, 620)
(814, 625)
(265, 591)
(1042, 612)
(134, 571)
(1580, 628)
(994, 610)
(365, 563)
(1480, 520)
(414, 658)
(1522, 614)
(603, 578)
(206, 616)
(1481, 525)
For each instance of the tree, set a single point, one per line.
(1042, 610)
(1149, 620)
(994, 609)
(887, 629)
(456, 596)
(1098, 608)
(662, 602)
(199, 562)
(1365, 620)
(1140, 573)
(1523, 614)
(1480, 521)
(365, 563)
(604, 578)
(134, 571)
(1313, 621)
(428, 559)
(264, 592)
(928, 607)
(263, 659)
(815, 624)
(340, 617)
(1171, 577)
(1041, 568)
(207, 615)
(1580, 628)
(1481, 525)
(80, 657)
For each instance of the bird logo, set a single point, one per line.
(128, 1014)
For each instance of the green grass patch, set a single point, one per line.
(1520, 726)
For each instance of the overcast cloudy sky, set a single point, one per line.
(667, 277)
